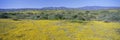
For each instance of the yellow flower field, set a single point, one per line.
(58, 30)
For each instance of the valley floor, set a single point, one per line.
(58, 30)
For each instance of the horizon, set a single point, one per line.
(16, 4)
(60, 6)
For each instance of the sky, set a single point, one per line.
(57, 3)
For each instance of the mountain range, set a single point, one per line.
(64, 8)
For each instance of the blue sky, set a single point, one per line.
(56, 3)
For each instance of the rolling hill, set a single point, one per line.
(63, 8)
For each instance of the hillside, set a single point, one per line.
(63, 8)
(60, 23)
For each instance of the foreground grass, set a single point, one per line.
(58, 30)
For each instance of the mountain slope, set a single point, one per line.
(63, 8)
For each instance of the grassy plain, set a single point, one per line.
(58, 30)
